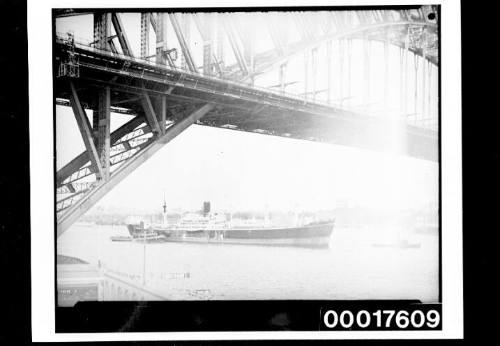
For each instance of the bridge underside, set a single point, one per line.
(236, 106)
(353, 130)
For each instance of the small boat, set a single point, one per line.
(121, 238)
(402, 244)
(428, 229)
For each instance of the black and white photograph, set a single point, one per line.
(247, 155)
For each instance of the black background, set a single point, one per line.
(208, 316)
(481, 159)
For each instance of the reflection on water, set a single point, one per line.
(354, 267)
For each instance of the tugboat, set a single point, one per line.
(145, 233)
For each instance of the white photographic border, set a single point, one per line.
(42, 174)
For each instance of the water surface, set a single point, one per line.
(352, 268)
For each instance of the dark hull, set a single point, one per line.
(313, 235)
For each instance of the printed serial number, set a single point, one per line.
(401, 319)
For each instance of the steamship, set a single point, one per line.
(213, 228)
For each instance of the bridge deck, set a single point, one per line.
(238, 106)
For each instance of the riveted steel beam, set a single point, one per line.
(234, 45)
(84, 126)
(145, 19)
(120, 33)
(205, 25)
(161, 38)
(102, 30)
(186, 52)
(185, 19)
(150, 112)
(103, 130)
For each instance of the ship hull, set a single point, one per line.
(313, 236)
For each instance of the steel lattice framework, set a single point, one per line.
(165, 96)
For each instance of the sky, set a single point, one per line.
(240, 171)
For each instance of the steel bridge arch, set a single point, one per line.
(301, 46)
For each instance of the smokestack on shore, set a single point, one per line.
(206, 208)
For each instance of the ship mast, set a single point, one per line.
(164, 210)
(267, 220)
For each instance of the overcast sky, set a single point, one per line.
(240, 170)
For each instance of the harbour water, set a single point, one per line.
(361, 263)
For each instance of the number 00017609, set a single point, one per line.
(401, 319)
